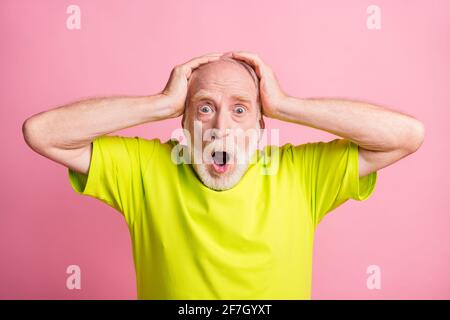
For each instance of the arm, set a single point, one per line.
(383, 136)
(65, 134)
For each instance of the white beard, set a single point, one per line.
(240, 160)
(228, 181)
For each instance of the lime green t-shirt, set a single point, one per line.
(254, 241)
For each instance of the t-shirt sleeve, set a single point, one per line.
(115, 172)
(329, 175)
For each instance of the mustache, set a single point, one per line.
(224, 145)
(230, 150)
(233, 151)
(235, 147)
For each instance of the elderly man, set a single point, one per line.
(216, 225)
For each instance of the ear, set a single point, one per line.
(184, 113)
(261, 123)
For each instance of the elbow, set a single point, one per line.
(32, 134)
(416, 136)
(26, 130)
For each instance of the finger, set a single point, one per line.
(244, 55)
(196, 62)
(251, 59)
(206, 56)
(213, 54)
(203, 58)
(247, 55)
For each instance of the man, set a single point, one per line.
(217, 225)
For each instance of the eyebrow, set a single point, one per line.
(204, 95)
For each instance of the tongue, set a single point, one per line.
(220, 168)
(220, 161)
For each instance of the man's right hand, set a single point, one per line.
(176, 88)
(65, 134)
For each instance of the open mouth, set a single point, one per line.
(221, 161)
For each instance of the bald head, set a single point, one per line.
(224, 77)
(226, 70)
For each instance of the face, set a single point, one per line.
(222, 116)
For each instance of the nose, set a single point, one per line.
(222, 124)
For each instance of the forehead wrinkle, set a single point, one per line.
(241, 64)
(224, 67)
(235, 89)
(203, 94)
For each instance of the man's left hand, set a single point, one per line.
(269, 89)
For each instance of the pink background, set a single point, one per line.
(317, 48)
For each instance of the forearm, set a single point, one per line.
(77, 124)
(371, 127)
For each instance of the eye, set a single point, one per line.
(239, 109)
(205, 109)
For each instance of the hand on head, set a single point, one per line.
(270, 93)
(177, 85)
